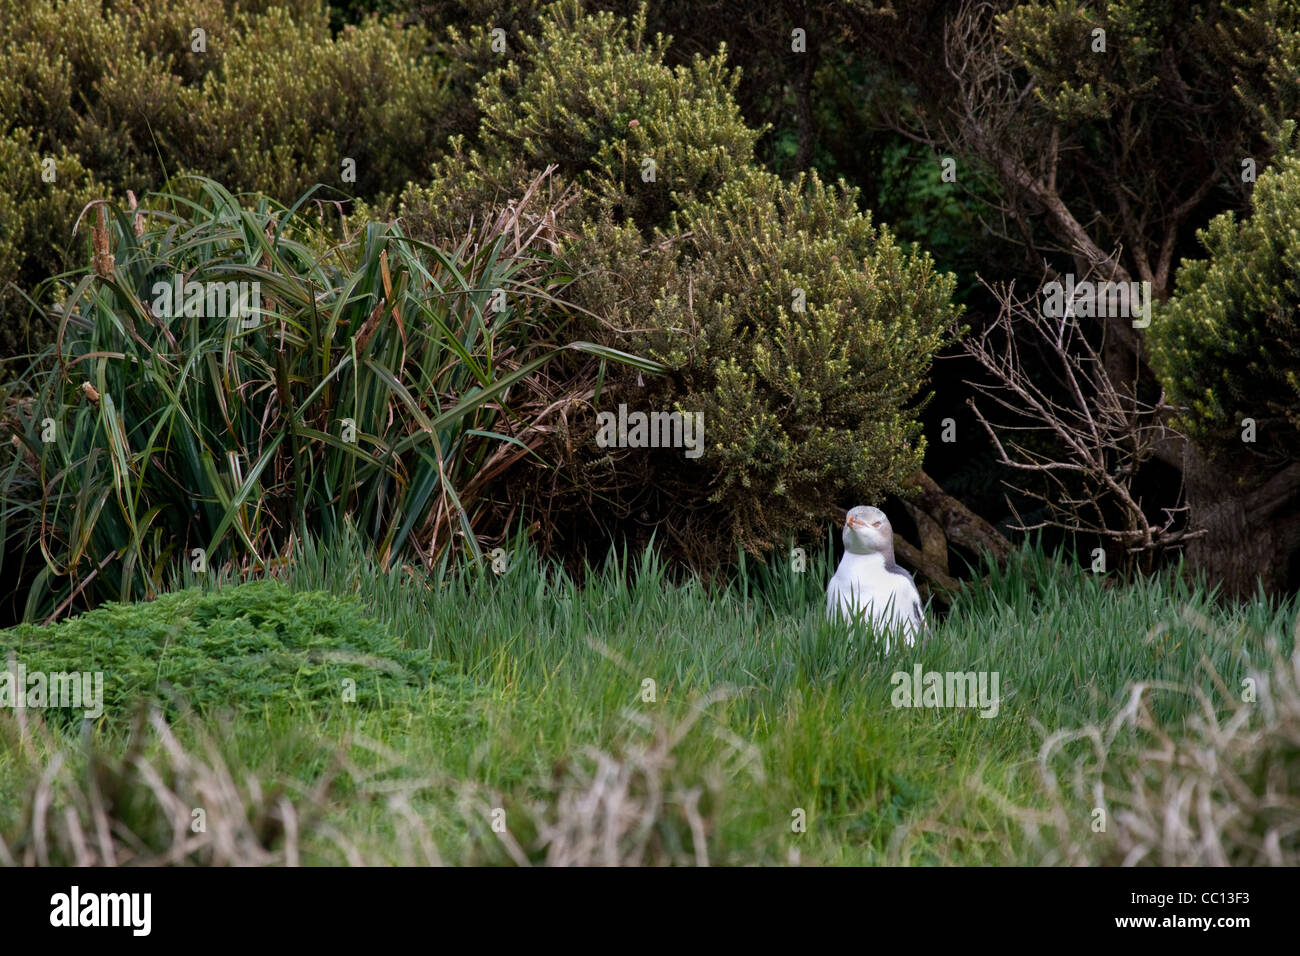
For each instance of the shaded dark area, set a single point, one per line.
(1005, 141)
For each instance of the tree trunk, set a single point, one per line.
(1252, 529)
(943, 521)
(960, 525)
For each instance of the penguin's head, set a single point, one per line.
(867, 531)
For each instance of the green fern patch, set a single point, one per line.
(241, 648)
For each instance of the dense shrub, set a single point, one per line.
(808, 397)
(805, 406)
(589, 95)
(1227, 344)
(275, 103)
(239, 648)
(35, 227)
(375, 383)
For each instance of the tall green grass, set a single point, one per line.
(759, 709)
(143, 437)
(1066, 642)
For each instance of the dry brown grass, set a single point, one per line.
(140, 810)
(620, 807)
(1222, 791)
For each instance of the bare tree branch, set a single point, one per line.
(1083, 434)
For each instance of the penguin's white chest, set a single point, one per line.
(863, 588)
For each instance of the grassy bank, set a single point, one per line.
(630, 719)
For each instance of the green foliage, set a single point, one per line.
(789, 709)
(201, 429)
(941, 217)
(35, 228)
(1141, 143)
(1243, 53)
(275, 103)
(698, 267)
(370, 95)
(1227, 344)
(125, 89)
(816, 404)
(1054, 41)
(241, 648)
(591, 96)
(802, 332)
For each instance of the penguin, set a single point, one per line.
(869, 585)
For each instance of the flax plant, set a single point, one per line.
(381, 378)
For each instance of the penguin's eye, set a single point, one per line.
(875, 524)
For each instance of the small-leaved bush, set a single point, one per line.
(126, 96)
(799, 328)
(35, 227)
(1227, 344)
